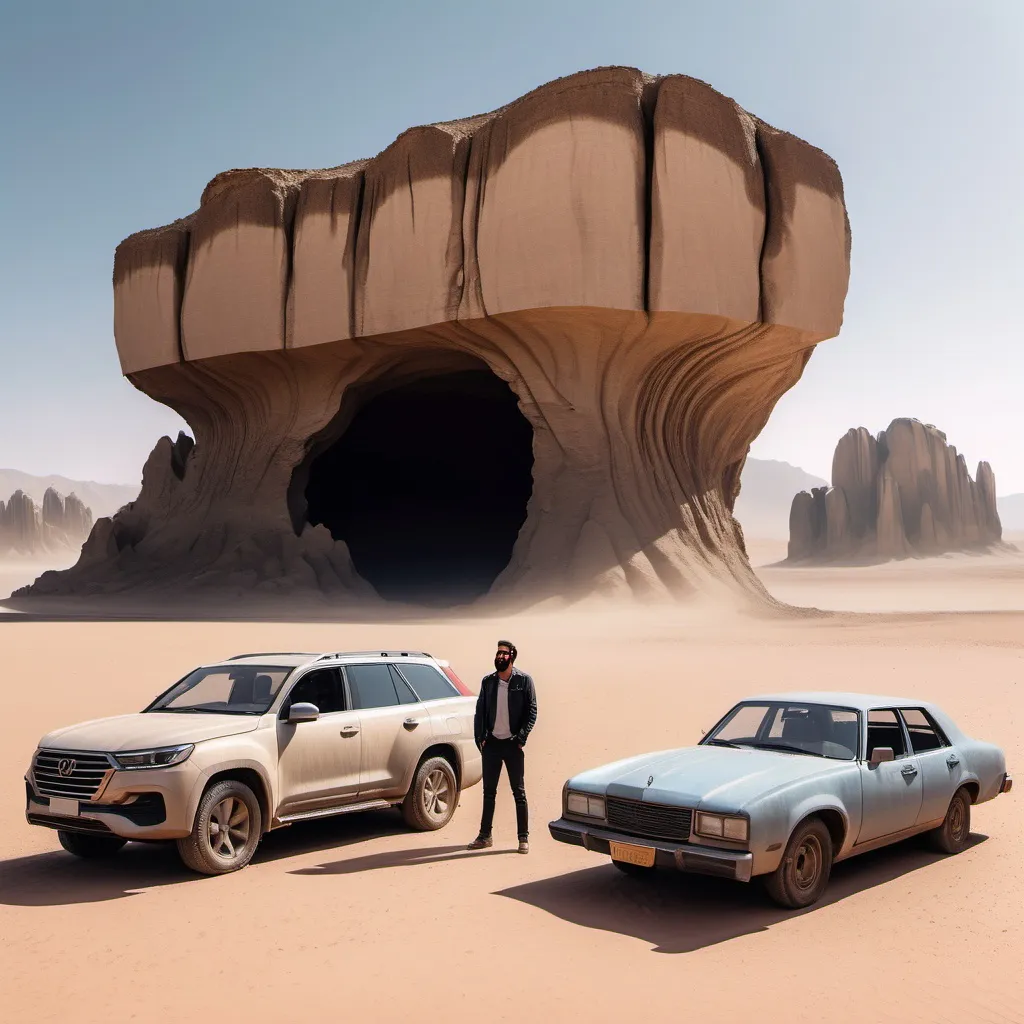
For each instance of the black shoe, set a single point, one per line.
(481, 843)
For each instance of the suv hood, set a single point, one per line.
(691, 775)
(143, 731)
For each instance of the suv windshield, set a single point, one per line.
(225, 690)
(818, 729)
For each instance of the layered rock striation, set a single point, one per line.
(905, 492)
(29, 530)
(646, 266)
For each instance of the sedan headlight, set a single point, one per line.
(583, 803)
(722, 826)
(160, 757)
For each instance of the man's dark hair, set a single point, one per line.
(511, 647)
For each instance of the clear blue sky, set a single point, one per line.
(114, 115)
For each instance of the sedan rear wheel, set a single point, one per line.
(952, 835)
(226, 831)
(803, 874)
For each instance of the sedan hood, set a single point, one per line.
(142, 731)
(722, 777)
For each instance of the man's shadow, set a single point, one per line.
(680, 913)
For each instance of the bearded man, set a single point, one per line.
(506, 712)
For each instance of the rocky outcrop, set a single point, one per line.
(906, 492)
(646, 265)
(26, 529)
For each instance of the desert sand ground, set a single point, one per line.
(358, 919)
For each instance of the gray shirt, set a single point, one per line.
(501, 729)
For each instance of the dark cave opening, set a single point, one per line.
(428, 486)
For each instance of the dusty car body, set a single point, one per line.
(257, 742)
(784, 786)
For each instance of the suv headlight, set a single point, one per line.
(722, 826)
(585, 804)
(159, 757)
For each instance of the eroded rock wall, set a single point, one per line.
(646, 265)
(906, 492)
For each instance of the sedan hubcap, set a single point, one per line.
(807, 863)
(956, 820)
(229, 828)
(436, 793)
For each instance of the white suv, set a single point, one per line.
(257, 742)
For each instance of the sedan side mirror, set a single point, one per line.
(303, 713)
(880, 754)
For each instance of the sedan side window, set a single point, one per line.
(322, 688)
(884, 730)
(924, 733)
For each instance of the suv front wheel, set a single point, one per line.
(430, 802)
(90, 847)
(226, 831)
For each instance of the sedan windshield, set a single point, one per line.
(820, 730)
(225, 690)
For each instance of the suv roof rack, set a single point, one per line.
(376, 654)
(267, 654)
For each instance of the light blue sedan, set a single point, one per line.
(783, 787)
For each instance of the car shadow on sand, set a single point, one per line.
(680, 913)
(59, 879)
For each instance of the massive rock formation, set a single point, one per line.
(26, 529)
(545, 336)
(906, 492)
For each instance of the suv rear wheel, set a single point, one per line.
(226, 831)
(430, 802)
(90, 847)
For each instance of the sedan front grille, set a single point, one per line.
(69, 774)
(652, 821)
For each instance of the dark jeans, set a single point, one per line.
(495, 754)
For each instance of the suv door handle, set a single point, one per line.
(909, 769)
(411, 723)
(952, 760)
(350, 730)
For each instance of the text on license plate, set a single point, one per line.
(641, 855)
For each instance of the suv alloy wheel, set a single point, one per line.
(226, 831)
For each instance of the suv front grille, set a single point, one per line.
(652, 821)
(69, 774)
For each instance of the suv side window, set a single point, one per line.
(924, 733)
(373, 686)
(884, 730)
(428, 683)
(321, 687)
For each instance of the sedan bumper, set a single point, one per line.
(1007, 783)
(700, 860)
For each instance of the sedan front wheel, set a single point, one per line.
(801, 877)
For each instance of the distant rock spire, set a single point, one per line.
(906, 492)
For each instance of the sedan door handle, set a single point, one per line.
(952, 760)
(411, 723)
(350, 730)
(909, 769)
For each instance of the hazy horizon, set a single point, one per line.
(116, 117)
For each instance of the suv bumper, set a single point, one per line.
(689, 857)
(133, 805)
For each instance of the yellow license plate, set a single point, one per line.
(640, 855)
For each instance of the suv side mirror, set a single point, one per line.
(880, 754)
(303, 713)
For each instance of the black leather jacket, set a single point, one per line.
(522, 707)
